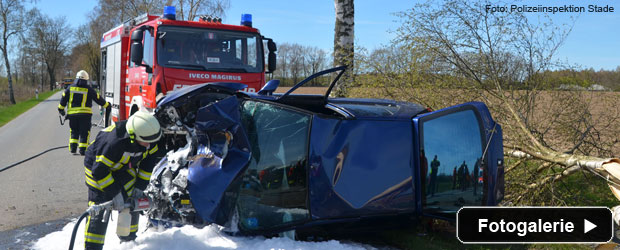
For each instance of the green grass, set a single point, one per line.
(8, 113)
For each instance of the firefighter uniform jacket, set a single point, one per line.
(113, 163)
(79, 96)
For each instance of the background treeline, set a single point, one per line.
(39, 50)
(296, 62)
(588, 79)
(42, 50)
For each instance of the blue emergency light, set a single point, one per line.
(246, 20)
(170, 12)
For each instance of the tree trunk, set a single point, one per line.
(8, 75)
(50, 72)
(344, 43)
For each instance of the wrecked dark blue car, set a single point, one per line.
(268, 163)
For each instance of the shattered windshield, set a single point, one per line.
(273, 190)
(208, 50)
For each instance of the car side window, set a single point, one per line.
(274, 189)
(451, 162)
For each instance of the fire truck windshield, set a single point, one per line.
(209, 50)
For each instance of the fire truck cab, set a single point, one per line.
(145, 57)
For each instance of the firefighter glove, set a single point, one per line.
(61, 111)
(137, 193)
(118, 202)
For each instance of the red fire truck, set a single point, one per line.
(144, 58)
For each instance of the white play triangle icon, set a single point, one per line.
(587, 226)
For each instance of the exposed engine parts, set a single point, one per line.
(168, 187)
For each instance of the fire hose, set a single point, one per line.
(35, 156)
(135, 204)
(94, 209)
(62, 122)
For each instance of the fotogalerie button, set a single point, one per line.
(496, 225)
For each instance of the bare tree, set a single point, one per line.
(344, 42)
(88, 37)
(50, 37)
(315, 61)
(282, 72)
(190, 9)
(11, 22)
(117, 12)
(296, 62)
(28, 61)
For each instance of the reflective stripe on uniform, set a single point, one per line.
(144, 175)
(73, 110)
(73, 141)
(132, 154)
(117, 166)
(125, 159)
(82, 107)
(94, 238)
(153, 150)
(134, 228)
(93, 183)
(129, 184)
(83, 144)
(109, 128)
(132, 172)
(88, 172)
(107, 181)
(79, 90)
(104, 160)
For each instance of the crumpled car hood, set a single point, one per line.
(209, 177)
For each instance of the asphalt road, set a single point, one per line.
(49, 187)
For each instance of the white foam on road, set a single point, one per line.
(181, 238)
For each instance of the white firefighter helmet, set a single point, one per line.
(143, 127)
(82, 75)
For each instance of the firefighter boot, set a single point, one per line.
(82, 150)
(73, 138)
(73, 147)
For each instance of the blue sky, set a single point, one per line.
(593, 43)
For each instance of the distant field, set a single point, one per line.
(604, 110)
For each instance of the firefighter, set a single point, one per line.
(79, 96)
(118, 166)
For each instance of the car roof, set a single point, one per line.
(378, 108)
(363, 107)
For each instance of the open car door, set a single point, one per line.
(456, 167)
